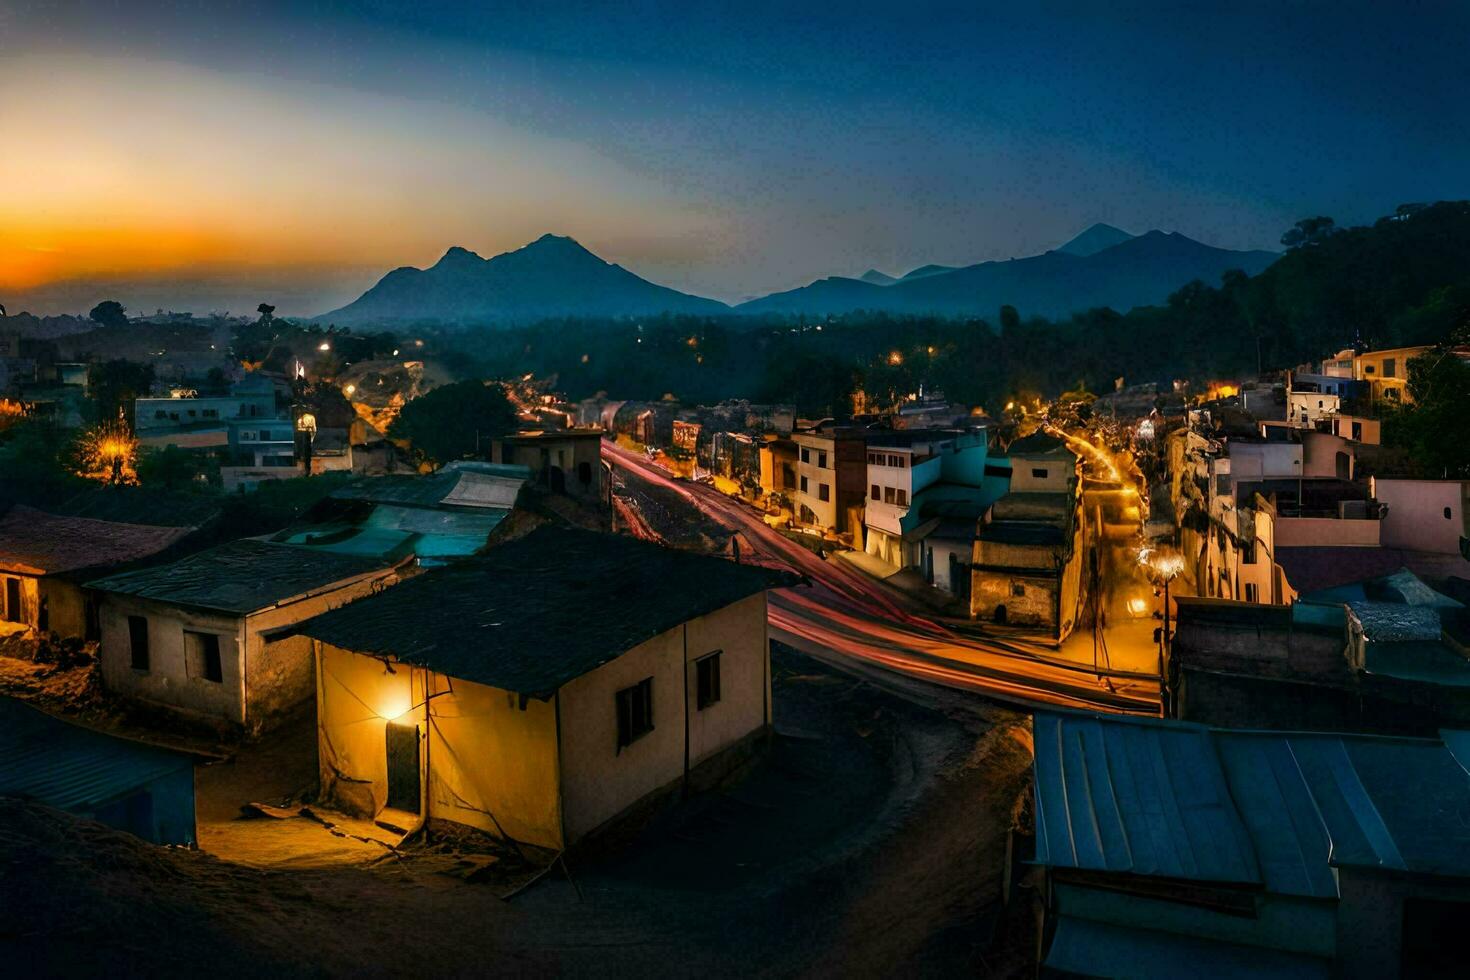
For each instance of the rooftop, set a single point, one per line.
(71, 767)
(495, 619)
(1177, 800)
(1039, 443)
(468, 484)
(243, 576)
(37, 543)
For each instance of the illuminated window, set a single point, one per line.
(138, 641)
(707, 680)
(635, 712)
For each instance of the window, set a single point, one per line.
(1447, 513)
(824, 492)
(876, 494)
(803, 484)
(1248, 552)
(635, 712)
(1039, 472)
(1392, 394)
(707, 680)
(1369, 369)
(201, 656)
(211, 413)
(1390, 366)
(160, 414)
(889, 496)
(265, 435)
(903, 497)
(1017, 589)
(584, 472)
(138, 641)
(806, 455)
(821, 461)
(1252, 594)
(12, 600)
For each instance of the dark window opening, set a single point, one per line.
(803, 484)
(903, 498)
(821, 461)
(876, 494)
(1447, 513)
(707, 677)
(635, 712)
(201, 652)
(806, 455)
(1017, 588)
(824, 492)
(138, 641)
(402, 742)
(584, 472)
(12, 600)
(889, 495)
(1039, 472)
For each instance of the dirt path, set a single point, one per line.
(869, 841)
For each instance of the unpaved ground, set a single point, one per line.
(869, 841)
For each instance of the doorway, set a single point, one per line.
(12, 600)
(403, 767)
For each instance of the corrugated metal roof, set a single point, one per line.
(70, 767)
(1109, 797)
(1145, 798)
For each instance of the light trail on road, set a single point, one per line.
(845, 614)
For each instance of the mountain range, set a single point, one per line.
(555, 277)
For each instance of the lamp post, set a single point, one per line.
(1165, 565)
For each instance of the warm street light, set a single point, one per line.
(894, 357)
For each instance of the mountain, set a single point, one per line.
(553, 276)
(876, 278)
(1138, 271)
(1095, 239)
(929, 270)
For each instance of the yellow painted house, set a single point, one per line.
(542, 689)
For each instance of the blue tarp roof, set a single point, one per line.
(1091, 948)
(1176, 800)
(70, 767)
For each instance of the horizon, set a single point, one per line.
(260, 151)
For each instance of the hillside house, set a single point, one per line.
(540, 690)
(566, 461)
(188, 636)
(46, 558)
(831, 479)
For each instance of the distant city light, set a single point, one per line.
(1010, 406)
(350, 389)
(894, 357)
(1137, 606)
(325, 346)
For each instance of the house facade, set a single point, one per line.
(442, 700)
(831, 473)
(190, 636)
(565, 461)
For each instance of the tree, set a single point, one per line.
(1309, 231)
(172, 468)
(266, 311)
(455, 420)
(109, 313)
(115, 385)
(1439, 385)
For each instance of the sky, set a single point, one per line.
(195, 155)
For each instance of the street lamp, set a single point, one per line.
(1165, 565)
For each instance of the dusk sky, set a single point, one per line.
(303, 149)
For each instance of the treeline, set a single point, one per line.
(1403, 280)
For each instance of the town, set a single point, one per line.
(463, 511)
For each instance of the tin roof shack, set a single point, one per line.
(567, 461)
(45, 558)
(142, 789)
(1376, 656)
(1169, 849)
(542, 689)
(188, 636)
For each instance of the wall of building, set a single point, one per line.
(939, 554)
(168, 681)
(29, 589)
(1042, 474)
(66, 606)
(600, 779)
(1306, 407)
(739, 632)
(1424, 515)
(1305, 532)
(489, 762)
(1326, 455)
(1262, 460)
(809, 468)
(1371, 918)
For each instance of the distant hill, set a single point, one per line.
(929, 270)
(1138, 271)
(876, 278)
(1095, 239)
(551, 277)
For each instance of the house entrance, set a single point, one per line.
(403, 767)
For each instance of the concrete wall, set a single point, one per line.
(1416, 518)
(168, 817)
(1370, 920)
(1264, 460)
(168, 681)
(1056, 474)
(940, 551)
(1306, 532)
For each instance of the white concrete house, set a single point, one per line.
(188, 636)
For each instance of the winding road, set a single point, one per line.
(847, 618)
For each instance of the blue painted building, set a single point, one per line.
(142, 789)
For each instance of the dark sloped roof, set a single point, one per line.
(534, 613)
(38, 543)
(1020, 533)
(137, 505)
(242, 576)
(1038, 443)
(70, 767)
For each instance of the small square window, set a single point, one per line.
(635, 712)
(707, 680)
(1039, 472)
(806, 455)
(824, 492)
(903, 498)
(1017, 589)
